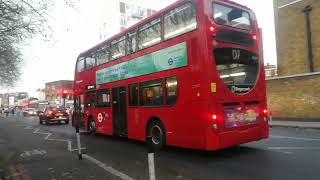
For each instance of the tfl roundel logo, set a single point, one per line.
(170, 61)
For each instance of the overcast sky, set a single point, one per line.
(55, 60)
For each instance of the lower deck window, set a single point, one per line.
(133, 95)
(91, 100)
(172, 90)
(103, 97)
(151, 93)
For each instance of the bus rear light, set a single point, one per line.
(254, 37)
(214, 117)
(198, 94)
(212, 29)
(265, 111)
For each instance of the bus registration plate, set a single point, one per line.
(238, 116)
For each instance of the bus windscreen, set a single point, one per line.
(238, 68)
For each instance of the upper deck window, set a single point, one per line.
(180, 20)
(118, 48)
(150, 34)
(102, 54)
(131, 42)
(230, 16)
(90, 61)
(80, 64)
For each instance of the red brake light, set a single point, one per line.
(212, 29)
(254, 37)
(265, 111)
(214, 117)
(50, 112)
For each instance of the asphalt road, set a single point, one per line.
(27, 151)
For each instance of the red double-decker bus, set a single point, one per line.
(191, 75)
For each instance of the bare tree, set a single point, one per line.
(20, 20)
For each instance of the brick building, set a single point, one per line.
(292, 36)
(293, 95)
(53, 91)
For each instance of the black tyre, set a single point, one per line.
(92, 127)
(67, 122)
(156, 136)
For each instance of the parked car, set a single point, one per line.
(29, 112)
(54, 115)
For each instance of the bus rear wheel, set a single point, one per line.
(156, 135)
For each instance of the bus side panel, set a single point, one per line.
(106, 124)
(138, 119)
(136, 129)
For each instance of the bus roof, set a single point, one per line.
(136, 25)
(158, 13)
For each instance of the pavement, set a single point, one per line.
(295, 124)
(28, 152)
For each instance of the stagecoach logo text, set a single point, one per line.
(237, 89)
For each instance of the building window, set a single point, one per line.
(90, 60)
(172, 90)
(149, 12)
(179, 20)
(122, 7)
(80, 64)
(151, 93)
(118, 48)
(150, 34)
(91, 100)
(133, 95)
(123, 20)
(102, 54)
(131, 42)
(103, 97)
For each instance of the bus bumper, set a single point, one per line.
(235, 137)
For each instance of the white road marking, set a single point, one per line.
(295, 138)
(77, 149)
(107, 168)
(152, 174)
(37, 131)
(32, 153)
(69, 145)
(93, 160)
(294, 148)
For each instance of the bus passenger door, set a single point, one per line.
(119, 111)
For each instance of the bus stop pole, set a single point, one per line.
(78, 140)
(152, 174)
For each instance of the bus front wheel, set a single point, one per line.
(156, 135)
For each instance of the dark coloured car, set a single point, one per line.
(54, 115)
